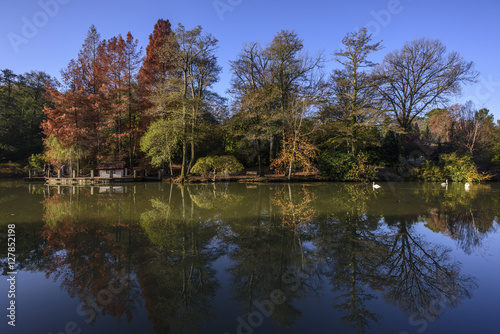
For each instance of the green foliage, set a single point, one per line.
(496, 160)
(390, 148)
(493, 149)
(335, 165)
(454, 167)
(361, 170)
(428, 171)
(160, 141)
(37, 161)
(57, 153)
(22, 99)
(216, 165)
(339, 166)
(461, 168)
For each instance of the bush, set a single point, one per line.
(461, 168)
(335, 165)
(361, 170)
(216, 165)
(496, 160)
(37, 161)
(428, 171)
(454, 167)
(340, 166)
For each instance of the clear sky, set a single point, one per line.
(46, 34)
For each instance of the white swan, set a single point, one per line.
(376, 186)
(444, 184)
(467, 186)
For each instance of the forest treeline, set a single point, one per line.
(118, 102)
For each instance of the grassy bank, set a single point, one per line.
(13, 170)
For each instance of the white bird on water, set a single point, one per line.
(444, 184)
(467, 186)
(376, 186)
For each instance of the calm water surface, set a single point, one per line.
(248, 258)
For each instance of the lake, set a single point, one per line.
(251, 258)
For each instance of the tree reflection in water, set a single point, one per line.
(362, 256)
(418, 276)
(91, 259)
(268, 253)
(351, 248)
(287, 238)
(176, 274)
(466, 217)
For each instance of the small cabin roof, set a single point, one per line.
(111, 165)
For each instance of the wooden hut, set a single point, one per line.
(112, 169)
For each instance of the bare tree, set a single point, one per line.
(420, 75)
(252, 89)
(472, 128)
(276, 88)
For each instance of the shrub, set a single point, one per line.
(216, 165)
(496, 160)
(37, 161)
(454, 167)
(301, 151)
(335, 165)
(461, 168)
(428, 171)
(339, 166)
(361, 170)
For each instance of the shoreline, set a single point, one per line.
(384, 174)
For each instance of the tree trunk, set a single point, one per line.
(292, 158)
(259, 157)
(191, 161)
(271, 149)
(183, 166)
(402, 146)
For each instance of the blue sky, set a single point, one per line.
(46, 34)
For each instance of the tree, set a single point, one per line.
(120, 63)
(494, 148)
(292, 74)
(182, 95)
(440, 125)
(76, 116)
(217, 165)
(419, 76)
(155, 68)
(254, 95)
(160, 142)
(276, 89)
(21, 111)
(97, 110)
(294, 153)
(472, 128)
(355, 103)
(133, 55)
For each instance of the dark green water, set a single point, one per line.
(236, 258)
